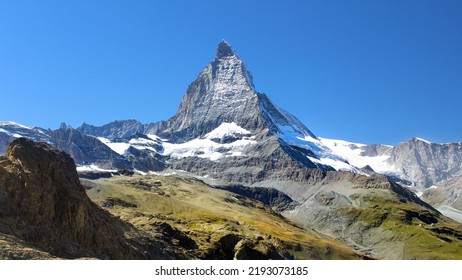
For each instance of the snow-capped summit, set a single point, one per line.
(224, 97)
(222, 93)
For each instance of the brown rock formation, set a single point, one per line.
(43, 203)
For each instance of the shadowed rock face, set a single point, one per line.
(44, 204)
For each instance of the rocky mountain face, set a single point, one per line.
(86, 149)
(116, 129)
(427, 163)
(44, 204)
(222, 93)
(416, 162)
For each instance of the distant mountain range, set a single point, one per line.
(227, 133)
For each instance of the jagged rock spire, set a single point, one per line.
(224, 50)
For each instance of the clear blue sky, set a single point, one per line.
(364, 71)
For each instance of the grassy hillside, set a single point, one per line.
(412, 231)
(203, 222)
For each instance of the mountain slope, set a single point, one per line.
(377, 217)
(447, 198)
(211, 223)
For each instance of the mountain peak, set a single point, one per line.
(417, 139)
(224, 49)
(64, 126)
(224, 93)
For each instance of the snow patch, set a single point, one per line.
(226, 130)
(139, 143)
(336, 164)
(325, 155)
(144, 144)
(118, 147)
(154, 137)
(92, 167)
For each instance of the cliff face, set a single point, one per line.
(43, 203)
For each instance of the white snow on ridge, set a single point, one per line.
(339, 154)
(143, 144)
(336, 164)
(423, 140)
(137, 143)
(226, 130)
(352, 153)
(325, 155)
(9, 123)
(206, 148)
(4, 131)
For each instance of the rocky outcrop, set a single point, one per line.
(43, 203)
